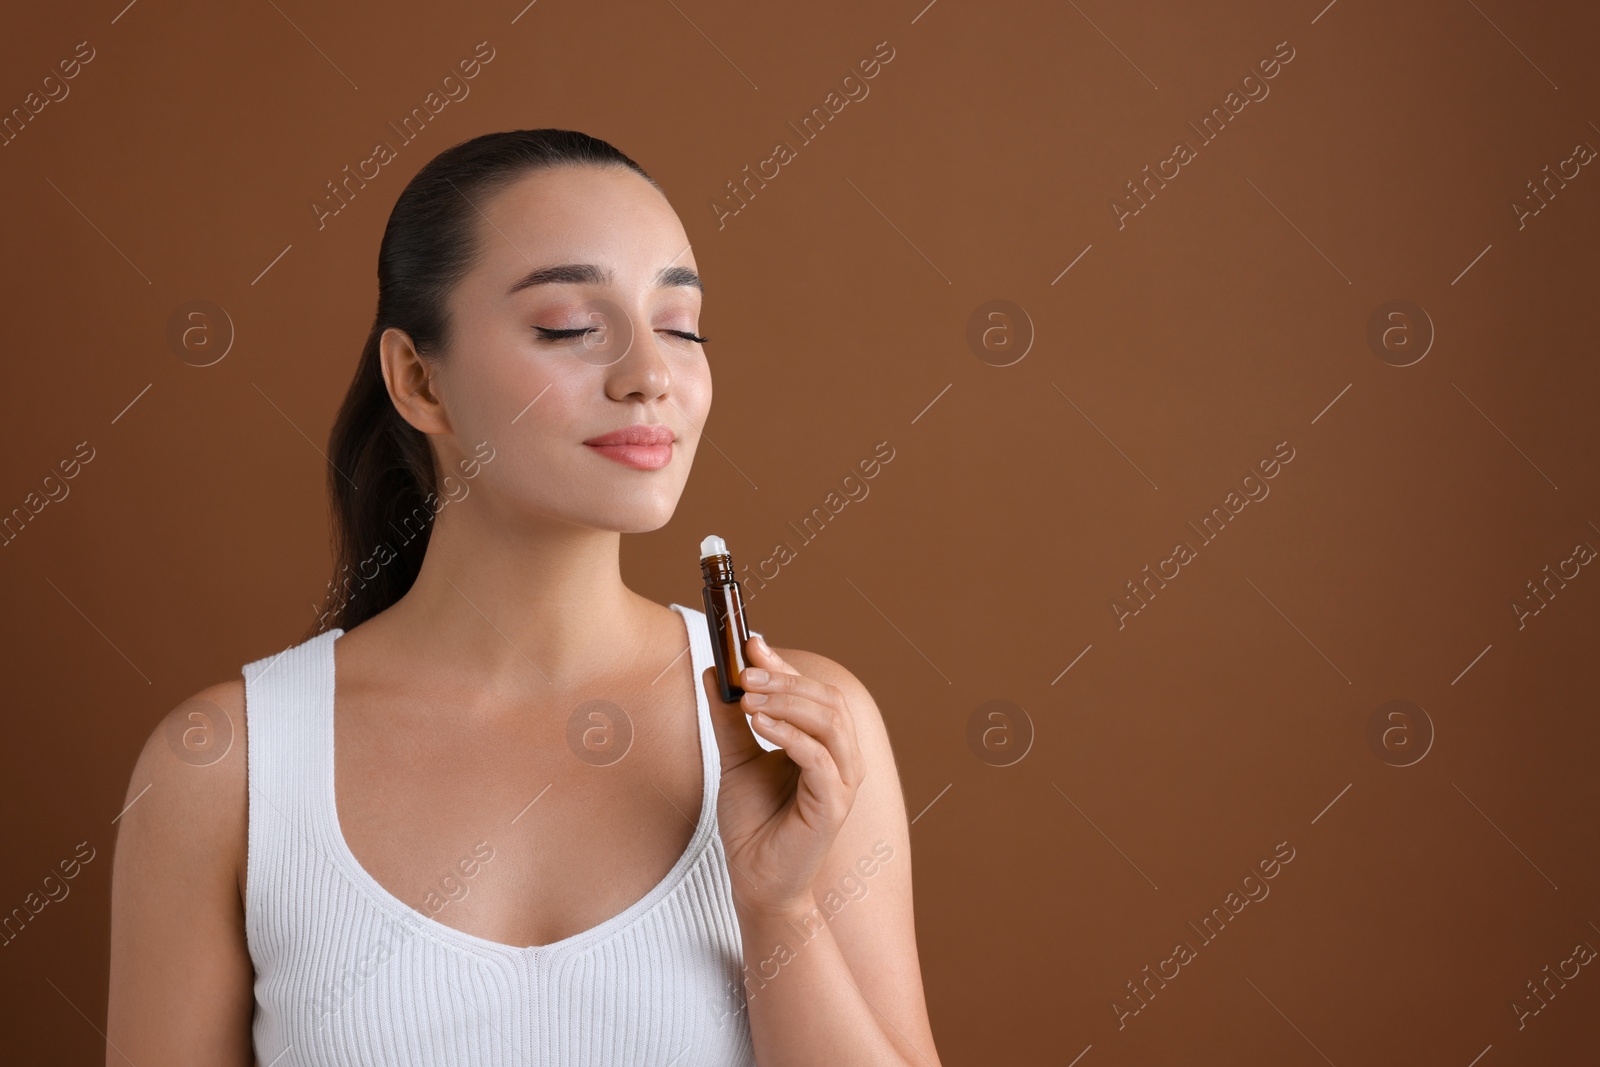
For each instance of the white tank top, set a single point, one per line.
(348, 974)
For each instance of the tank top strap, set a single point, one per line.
(704, 657)
(286, 697)
(699, 659)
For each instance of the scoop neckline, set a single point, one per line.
(422, 923)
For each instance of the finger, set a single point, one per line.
(782, 675)
(826, 723)
(760, 654)
(814, 706)
(798, 689)
(818, 771)
(802, 701)
(735, 742)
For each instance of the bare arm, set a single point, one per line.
(181, 991)
(826, 986)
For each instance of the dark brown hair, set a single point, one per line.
(382, 479)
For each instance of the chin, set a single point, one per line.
(643, 526)
(643, 517)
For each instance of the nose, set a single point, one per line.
(640, 370)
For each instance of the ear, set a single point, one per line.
(413, 382)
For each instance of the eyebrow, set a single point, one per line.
(590, 274)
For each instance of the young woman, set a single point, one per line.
(496, 811)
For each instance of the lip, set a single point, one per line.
(637, 434)
(641, 446)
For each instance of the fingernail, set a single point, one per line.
(755, 675)
(755, 698)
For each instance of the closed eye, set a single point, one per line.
(549, 334)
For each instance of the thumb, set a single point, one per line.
(736, 741)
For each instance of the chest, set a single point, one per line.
(523, 831)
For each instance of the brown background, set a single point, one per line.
(1229, 315)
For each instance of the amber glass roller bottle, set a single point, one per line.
(724, 616)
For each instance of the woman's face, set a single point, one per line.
(625, 273)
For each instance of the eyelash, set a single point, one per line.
(560, 335)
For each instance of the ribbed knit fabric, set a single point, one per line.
(348, 974)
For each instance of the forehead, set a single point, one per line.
(608, 216)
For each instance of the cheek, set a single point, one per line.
(501, 393)
(536, 421)
(691, 390)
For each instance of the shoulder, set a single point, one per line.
(179, 947)
(187, 799)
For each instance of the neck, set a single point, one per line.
(517, 608)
